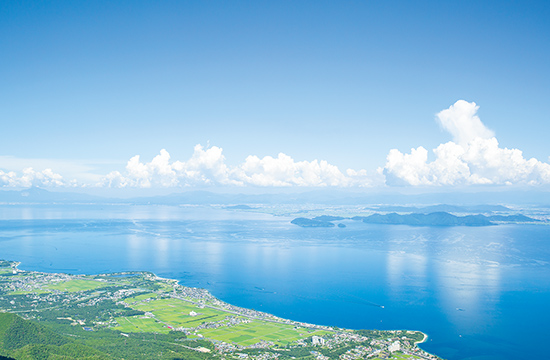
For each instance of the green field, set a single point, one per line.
(255, 331)
(176, 313)
(139, 298)
(140, 324)
(77, 285)
(399, 356)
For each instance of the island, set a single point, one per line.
(239, 207)
(328, 218)
(305, 222)
(138, 315)
(418, 219)
(441, 219)
(432, 219)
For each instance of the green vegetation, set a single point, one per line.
(23, 339)
(77, 285)
(128, 324)
(431, 219)
(247, 334)
(141, 297)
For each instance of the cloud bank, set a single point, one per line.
(30, 177)
(208, 167)
(473, 157)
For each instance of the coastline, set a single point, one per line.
(423, 340)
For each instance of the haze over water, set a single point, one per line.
(480, 293)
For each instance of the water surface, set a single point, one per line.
(480, 293)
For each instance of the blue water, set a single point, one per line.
(480, 293)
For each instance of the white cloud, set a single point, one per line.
(114, 179)
(83, 171)
(284, 171)
(474, 157)
(207, 167)
(30, 177)
(461, 121)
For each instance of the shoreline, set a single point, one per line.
(426, 337)
(331, 328)
(423, 340)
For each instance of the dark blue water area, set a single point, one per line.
(479, 292)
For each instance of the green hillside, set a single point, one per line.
(26, 339)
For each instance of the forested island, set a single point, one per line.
(418, 219)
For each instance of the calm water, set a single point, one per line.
(480, 293)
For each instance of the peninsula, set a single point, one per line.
(137, 315)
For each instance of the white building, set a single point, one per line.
(317, 340)
(396, 346)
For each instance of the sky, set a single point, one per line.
(343, 94)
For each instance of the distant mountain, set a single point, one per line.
(465, 209)
(432, 219)
(207, 198)
(328, 197)
(441, 208)
(304, 222)
(40, 196)
(394, 208)
(328, 218)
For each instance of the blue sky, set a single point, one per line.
(86, 86)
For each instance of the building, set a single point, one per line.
(396, 346)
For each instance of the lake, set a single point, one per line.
(479, 292)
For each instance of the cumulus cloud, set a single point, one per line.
(284, 171)
(208, 167)
(205, 167)
(30, 177)
(461, 121)
(83, 171)
(473, 157)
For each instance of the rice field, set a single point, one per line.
(247, 334)
(141, 297)
(400, 356)
(77, 285)
(139, 324)
(178, 313)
